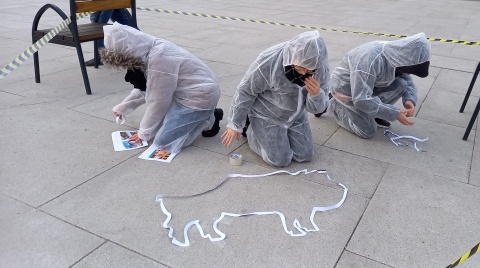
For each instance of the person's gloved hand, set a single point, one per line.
(136, 78)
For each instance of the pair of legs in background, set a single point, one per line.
(360, 123)
(121, 16)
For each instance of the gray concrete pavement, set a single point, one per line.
(68, 200)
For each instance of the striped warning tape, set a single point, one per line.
(467, 255)
(25, 55)
(462, 42)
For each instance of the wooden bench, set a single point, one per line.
(76, 34)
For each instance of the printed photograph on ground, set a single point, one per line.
(153, 153)
(121, 141)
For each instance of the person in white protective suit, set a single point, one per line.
(181, 92)
(283, 83)
(372, 77)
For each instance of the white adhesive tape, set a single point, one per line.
(118, 120)
(236, 159)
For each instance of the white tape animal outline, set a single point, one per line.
(302, 231)
(396, 139)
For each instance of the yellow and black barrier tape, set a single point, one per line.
(462, 42)
(25, 55)
(467, 255)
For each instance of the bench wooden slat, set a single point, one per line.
(86, 32)
(95, 5)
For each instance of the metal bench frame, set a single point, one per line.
(77, 31)
(477, 108)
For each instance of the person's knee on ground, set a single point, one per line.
(305, 156)
(277, 158)
(366, 131)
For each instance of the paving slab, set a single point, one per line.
(455, 81)
(120, 205)
(31, 238)
(114, 256)
(71, 152)
(414, 214)
(8, 100)
(444, 106)
(27, 72)
(322, 127)
(449, 62)
(361, 175)
(228, 84)
(229, 54)
(221, 69)
(467, 52)
(447, 154)
(351, 260)
(68, 85)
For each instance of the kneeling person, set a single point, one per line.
(283, 83)
(180, 91)
(372, 77)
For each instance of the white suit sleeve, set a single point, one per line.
(411, 94)
(318, 104)
(162, 80)
(131, 102)
(362, 81)
(243, 99)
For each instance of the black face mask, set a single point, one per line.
(137, 79)
(420, 70)
(294, 76)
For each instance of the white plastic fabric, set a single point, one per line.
(173, 74)
(265, 91)
(358, 81)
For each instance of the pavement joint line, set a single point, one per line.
(369, 200)
(95, 176)
(436, 175)
(90, 232)
(443, 40)
(104, 242)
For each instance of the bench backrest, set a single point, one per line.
(97, 5)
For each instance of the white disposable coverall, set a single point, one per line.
(279, 130)
(182, 91)
(365, 87)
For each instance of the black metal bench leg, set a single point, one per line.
(472, 83)
(95, 53)
(472, 121)
(83, 68)
(36, 66)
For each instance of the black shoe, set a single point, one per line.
(320, 114)
(218, 113)
(90, 63)
(247, 123)
(382, 123)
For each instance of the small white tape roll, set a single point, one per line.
(118, 120)
(236, 159)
